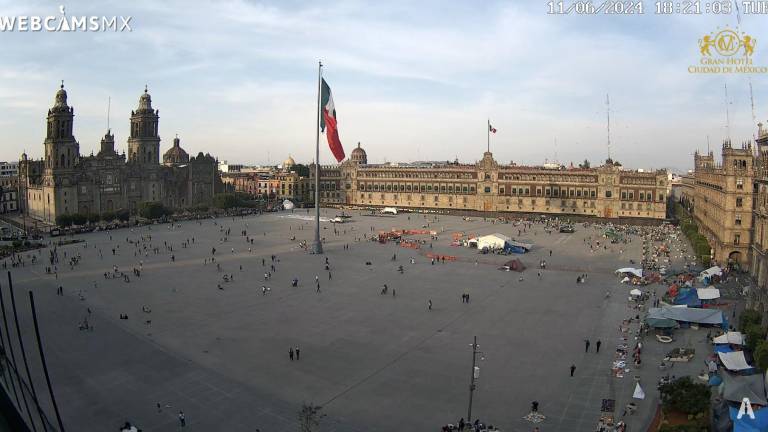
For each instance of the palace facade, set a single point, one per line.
(64, 182)
(606, 191)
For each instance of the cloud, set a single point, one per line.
(411, 80)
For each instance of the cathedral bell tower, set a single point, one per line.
(144, 142)
(62, 151)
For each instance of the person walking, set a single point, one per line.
(290, 353)
(586, 345)
(429, 304)
(297, 353)
(597, 345)
(573, 369)
(182, 419)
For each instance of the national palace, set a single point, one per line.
(64, 182)
(607, 191)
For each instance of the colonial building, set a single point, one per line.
(758, 298)
(64, 182)
(606, 191)
(723, 194)
(273, 183)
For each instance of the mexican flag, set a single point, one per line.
(328, 119)
(491, 129)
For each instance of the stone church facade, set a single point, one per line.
(64, 182)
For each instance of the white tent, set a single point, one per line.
(711, 272)
(636, 292)
(288, 205)
(735, 338)
(734, 360)
(492, 241)
(634, 271)
(709, 293)
(639, 393)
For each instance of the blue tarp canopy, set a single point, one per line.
(688, 297)
(723, 349)
(746, 424)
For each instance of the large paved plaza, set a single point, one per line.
(374, 362)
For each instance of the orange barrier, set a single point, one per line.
(410, 245)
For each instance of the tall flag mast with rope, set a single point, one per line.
(326, 122)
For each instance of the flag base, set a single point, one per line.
(317, 247)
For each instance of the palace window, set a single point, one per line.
(739, 202)
(739, 183)
(642, 196)
(608, 194)
(487, 189)
(501, 190)
(736, 239)
(738, 220)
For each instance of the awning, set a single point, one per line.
(636, 292)
(711, 272)
(735, 338)
(746, 423)
(737, 387)
(655, 322)
(734, 360)
(686, 314)
(634, 271)
(708, 293)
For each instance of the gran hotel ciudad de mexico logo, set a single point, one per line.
(727, 51)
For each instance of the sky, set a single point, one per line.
(410, 80)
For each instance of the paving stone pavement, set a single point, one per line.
(374, 362)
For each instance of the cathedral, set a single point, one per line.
(64, 182)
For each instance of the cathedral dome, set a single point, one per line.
(176, 154)
(288, 163)
(358, 155)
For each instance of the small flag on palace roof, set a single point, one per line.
(491, 128)
(328, 119)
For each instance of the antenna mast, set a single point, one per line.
(608, 115)
(109, 106)
(556, 161)
(727, 115)
(752, 102)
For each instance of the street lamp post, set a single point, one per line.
(473, 377)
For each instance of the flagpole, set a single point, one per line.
(488, 131)
(318, 247)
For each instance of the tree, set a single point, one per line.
(309, 417)
(301, 169)
(63, 220)
(108, 216)
(760, 354)
(584, 164)
(153, 210)
(227, 201)
(123, 215)
(79, 219)
(748, 318)
(755, 334)
(685, 396)
(93, 217)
